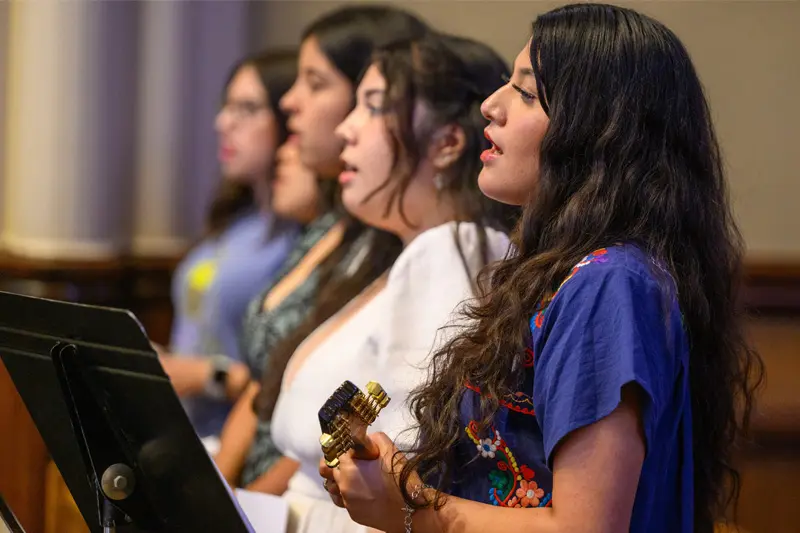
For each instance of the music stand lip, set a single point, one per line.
(100, 399)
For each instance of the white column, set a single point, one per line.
(63, 186)
(4, 41)
(156, 226)
(187, 49)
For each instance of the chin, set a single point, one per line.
(497, 190)
(307, 158)
(351, 204)
(236, 176)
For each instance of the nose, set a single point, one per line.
(222, 122)
(288, 102)
(491, 109)
(345, 130)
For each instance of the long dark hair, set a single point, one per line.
(451, 76)
(348, 37)
(276, 71)
(630, 155)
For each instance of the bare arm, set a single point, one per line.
(276, 479)
(595, 477)
(237, 436)
(596, 473)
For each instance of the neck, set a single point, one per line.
(307, 217)
(441, 211)
(261, 194)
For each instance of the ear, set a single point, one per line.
(447, 145)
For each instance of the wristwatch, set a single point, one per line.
(217, 383)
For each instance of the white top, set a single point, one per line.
(388, 340)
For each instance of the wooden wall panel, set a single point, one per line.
(770, 469)
(23, 458)
(141, 286)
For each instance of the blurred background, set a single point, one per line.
(109, 160)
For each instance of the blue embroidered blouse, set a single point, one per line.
(614, 321)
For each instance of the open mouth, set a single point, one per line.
(494, 150)
(348, 173)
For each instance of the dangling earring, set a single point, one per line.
(438, 181)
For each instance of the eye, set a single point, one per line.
(527, 96)
(375, 102)
(315, 83)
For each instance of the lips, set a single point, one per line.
(492, 153)
(226, 153)
(348, 173)
(494, 149)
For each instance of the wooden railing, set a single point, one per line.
(771, 467)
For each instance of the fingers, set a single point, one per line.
(333, 491)
(329, 483)
(332, 488)
(338, 501)
(324, 470)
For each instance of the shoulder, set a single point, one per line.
(450, 245)
(623, 264)
(620, 276)
(316, 230)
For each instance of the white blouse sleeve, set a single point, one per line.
(425, 287)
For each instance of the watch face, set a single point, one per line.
(220, 376)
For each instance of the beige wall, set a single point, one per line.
(745, 51)
(3, 61)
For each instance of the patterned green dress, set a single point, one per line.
(263, 330)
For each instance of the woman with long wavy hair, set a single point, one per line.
(603, 379)
(335, 258)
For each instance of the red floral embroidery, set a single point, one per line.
(512, 484)
(594, 257)
(528, 358)
(518, 402)
(529, 494)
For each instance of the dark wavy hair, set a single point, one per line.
(348, 37)
(451, 76)
(276, 71)
(630, 155)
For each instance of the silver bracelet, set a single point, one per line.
(410, 510)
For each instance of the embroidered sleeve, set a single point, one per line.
(607, 327)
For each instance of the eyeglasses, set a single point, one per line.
(242, 109)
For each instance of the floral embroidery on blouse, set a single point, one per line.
(512, 485)
(516, 401)
(598, 256)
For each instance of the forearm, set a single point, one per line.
(276, 479)
(464, 516)
(237, 382)
(237, 436)
(188, 374)
(191, 375)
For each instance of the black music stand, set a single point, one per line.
(8, 522)
(111, 420)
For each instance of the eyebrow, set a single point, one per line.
(526, 71)
(311, 71)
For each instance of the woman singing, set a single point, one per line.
(604, 377)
